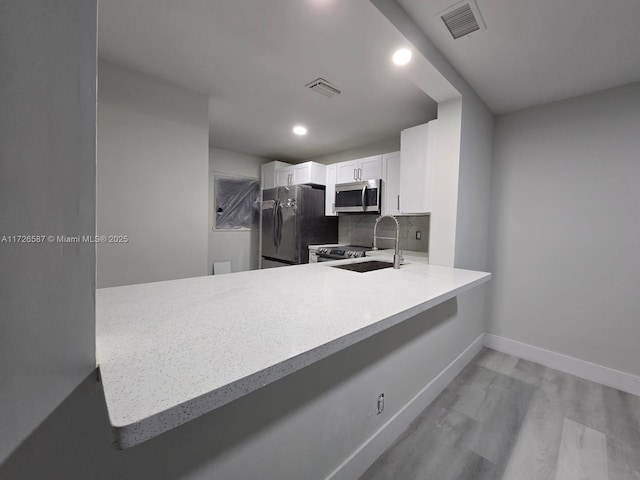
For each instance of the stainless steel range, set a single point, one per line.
(341, 252)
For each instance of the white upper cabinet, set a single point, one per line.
(417, 168)
(347, 172)
(391, 183)
(302, 173)
(268, 174)
(284, 177)
(330, 191)
(368, 168)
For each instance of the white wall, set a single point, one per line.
(47, 187)
(446, 156)
(152, 178)
(239, 247)
(566, 231)
(473, 205)
(474, 185)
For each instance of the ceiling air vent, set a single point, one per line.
(462, 18)
(323, 87)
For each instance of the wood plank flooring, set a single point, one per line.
(505, 418)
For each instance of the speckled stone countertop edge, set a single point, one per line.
(125, 436)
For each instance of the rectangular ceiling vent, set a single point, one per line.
(462, 19)
(323, 87)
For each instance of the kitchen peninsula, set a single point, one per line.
(171, 351)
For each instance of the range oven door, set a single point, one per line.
(358, 197)
(327, 257)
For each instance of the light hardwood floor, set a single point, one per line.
(510, 419)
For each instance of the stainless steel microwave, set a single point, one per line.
(358, 197)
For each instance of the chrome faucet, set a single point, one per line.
(397, 258)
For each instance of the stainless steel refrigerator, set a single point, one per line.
(292, 219)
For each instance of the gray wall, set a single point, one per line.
(47, 187)
(565, 222)
(239, 247)
(152, 178)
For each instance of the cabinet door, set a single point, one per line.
(391, 183)
(301, 174)
(347, 172)
(370, 168)
(268, 174)
(283, 177)
(416, 169)
(330, 192)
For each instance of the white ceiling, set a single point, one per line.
(253, 58)
(538, 51)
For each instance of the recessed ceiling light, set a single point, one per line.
(299, 130)
(402, 56)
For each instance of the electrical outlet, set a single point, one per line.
(380, 403)
(418, 235)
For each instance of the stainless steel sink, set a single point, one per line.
(363, 267)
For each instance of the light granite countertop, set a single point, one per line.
(171, 351)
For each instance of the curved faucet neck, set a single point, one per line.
(396, 256)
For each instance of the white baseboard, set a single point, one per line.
(358, 462)
(589, 371)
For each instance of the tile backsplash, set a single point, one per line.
(358, 230)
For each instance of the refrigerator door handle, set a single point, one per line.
(275, 224)
(280, 222)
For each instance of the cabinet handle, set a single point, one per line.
(333, 208)
(360, 174)
(355, 176)
(398, 202)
